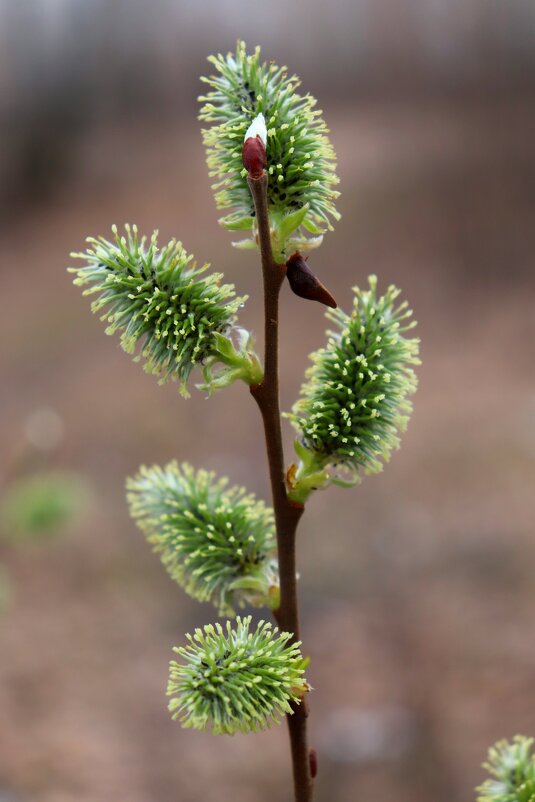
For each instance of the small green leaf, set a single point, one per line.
(223, 345)
(301, 450)
(240, 362)
(290, 222)
(304, 243)
(310, 226)
(245, 245)
(339, 482)
(237, 223)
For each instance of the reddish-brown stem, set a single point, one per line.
(287, 514)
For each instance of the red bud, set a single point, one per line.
(305, 284)
(254, 156)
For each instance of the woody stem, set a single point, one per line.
(287, 513)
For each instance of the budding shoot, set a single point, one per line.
(254, 147)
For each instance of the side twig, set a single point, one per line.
(287, 513)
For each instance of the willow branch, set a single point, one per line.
(287, 513)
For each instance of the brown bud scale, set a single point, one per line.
(305, 284)
(254, 156)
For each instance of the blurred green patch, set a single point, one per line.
(42, 505)
(5, 591)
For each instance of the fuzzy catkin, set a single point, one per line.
(233, 679)
(301, 161)
(217, 542)
(158, 300)
(355, 401)
(511, 765)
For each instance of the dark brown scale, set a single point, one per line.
(305, 284)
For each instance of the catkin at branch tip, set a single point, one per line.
(301, 161)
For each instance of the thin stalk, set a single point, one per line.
(287, 513)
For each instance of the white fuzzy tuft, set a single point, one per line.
(257, 128)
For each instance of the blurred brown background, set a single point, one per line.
(417, 588)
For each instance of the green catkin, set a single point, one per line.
(234, 680)
(355, 402)
(158, 300)
(217, 542)
(301, 162)
(511, 765)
